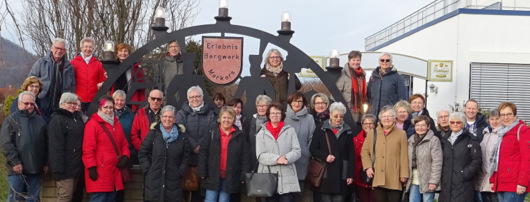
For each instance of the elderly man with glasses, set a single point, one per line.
(23, 138)
(57, 76)
(146, 118)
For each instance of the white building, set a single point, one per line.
(488, 42)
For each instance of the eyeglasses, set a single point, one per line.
(108, 108)
(443, 117)
(338, 116)
(263, 106)
(28, 103)
(159, 99)
(385, 60)
(195, 97)
(368, 124)
(298, 101)
(320, 103)
(276, 113)
(421, 125)
(455, 122)
(387, 117)
(72, 103)
(173, 46)
(506, 115)
(275, 57)
(34, 86)
(168, 117)
(59, 49)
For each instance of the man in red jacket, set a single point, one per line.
(89, 73)
(146, 117)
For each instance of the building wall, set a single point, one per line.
(467, 38)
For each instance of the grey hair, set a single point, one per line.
(383, 54)
(386, 109)
(68, 97)
(494, 112)
(458, 116)
(168, 108)
(368, 116)
(120, 93)
(274, 50)
(322, 96)
(155, 90)
(441, 110)
(337, 106)
(195, 88)
(263, 98)
(87, 39)
(403, 103)
(59, 40)
(21, 95)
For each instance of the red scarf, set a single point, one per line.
(275, 131)
(358, 92)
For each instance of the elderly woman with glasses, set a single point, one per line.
(278, 77)
(338, 174)
(277, 149)
(164, 156)
(390, 170)
(511, 160)
(386, 86)
(487, 146)
(364, 192)
(320, 110)
(33, 85)
(462, 161)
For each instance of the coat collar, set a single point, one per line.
(428, 137)
(295, 115)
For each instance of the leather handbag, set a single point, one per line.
(317, 167)
(125, 172)
(261, 184)
(364, 177)
(191, 179)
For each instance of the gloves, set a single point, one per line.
(123, 162)
(93, 173)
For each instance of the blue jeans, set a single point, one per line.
(103, 197)
(415, 195)
(511, 197)
(213, 195)
(19, 183)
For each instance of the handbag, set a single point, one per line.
(364, 177)
(261, 184)
(190, 181)
(317, 167)
(125, 172)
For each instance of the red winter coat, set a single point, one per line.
(87, 76)
(98, 151)
(140, 128)
(514, 161)
(358, 142)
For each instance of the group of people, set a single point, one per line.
(201, 153)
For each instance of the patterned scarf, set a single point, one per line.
(494, 159)
(238, 122)
(274, 70)
(358, 80)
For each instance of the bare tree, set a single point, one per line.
(121, 21)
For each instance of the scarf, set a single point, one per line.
(196, 109)
(381, 73)
(274, 70)
(169, 137)
(86, 59)
(358, 81)
(108, 119)
(417, 140)
(275, 131)
(119, 112)
(238, 122)
(336, 129)
(494, 159)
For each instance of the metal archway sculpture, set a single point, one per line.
(296, 59)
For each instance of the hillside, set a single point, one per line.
(15, 63)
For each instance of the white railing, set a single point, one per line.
(435, 10)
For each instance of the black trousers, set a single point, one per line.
(280, 198)
(387, 195)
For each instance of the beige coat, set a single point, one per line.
(429, 158)
(391, 157)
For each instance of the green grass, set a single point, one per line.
(4, 187)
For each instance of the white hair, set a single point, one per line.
(337, 106)
(87, 39)
(68, 97)
(21, 95)
(382, 54)
(196, 89)
(59, 40)
(119, 93)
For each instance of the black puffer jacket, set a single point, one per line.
(236, 162)
(408, 126)
(23, 137)
(65, 132)
(163, 165)
(461, 163)
(197, 125)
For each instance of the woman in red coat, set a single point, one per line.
(364, 192)
(510, 162)
(102, 167)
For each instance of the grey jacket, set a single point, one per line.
(304, 126)
(268, 150)
(429, 157)
(487, 146)
(44, 69)
(168, 68)
(386, 90)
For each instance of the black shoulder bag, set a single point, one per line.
(364, 177)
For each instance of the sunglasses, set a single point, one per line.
(156, 99)
(455, 122)
(28, 103)
(385, 60)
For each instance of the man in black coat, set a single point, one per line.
(23, 138)
(475, 121)
(65, 141)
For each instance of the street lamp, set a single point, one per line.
(334, 61)
(160, 20)
(286, 25)
(108, 51)
(223, 11)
